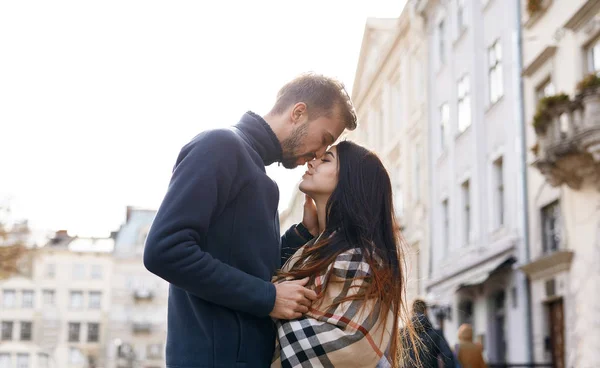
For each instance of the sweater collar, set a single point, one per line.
(255, 130)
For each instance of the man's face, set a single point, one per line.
(310, 139)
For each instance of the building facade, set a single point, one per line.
(560, 47)
(476, 182)
(54, 313)
(389, 96)
(138, 319)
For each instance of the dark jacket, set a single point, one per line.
(215, 239)
(433, 345)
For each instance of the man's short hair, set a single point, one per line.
(419, 306)
(323, 96)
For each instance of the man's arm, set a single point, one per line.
(295, 237)
(202, 183)
(298, 235)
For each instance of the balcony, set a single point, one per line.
(142, 327)
(568, 139)
(142, 295)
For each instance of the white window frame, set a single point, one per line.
(444, 111)
(6, 299)
(499, 192)
(441, 42)
(27, 299)
(48, 297)
(73, 305)
(23, 360)
(445, 226)
(5, 360)
(495, 73)
(92, 300)
(461, 16)
(593, 57)
(467, 211)
(464, 103)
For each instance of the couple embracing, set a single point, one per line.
(329, 292)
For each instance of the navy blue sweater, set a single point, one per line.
(215, 239)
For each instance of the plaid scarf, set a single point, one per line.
(350, 334)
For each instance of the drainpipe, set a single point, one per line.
(523, 254)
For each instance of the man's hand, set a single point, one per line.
(292, 299)
(310, 220)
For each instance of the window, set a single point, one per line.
(594, 57)
(446, 225)
(461, 16)
(154, 351)
(464, 104)
(50, 270)
(27, 300)
(5, 360)
(43, 360)
(495, 72)
(48, 297)
(442, 42)
(95, 300)
(76, 300)
(551, 222)
(26, 331)
(417, 172)
(444, 125)
(74, 329)
(78, 272)
(93, 334)
(76, 357)
(9, 299)
(22, 360)
(544, 90)
(96, 272)
(7, 330)
(466, 194)
(499, 190)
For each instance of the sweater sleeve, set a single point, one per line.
(291, 241)
(203, 181)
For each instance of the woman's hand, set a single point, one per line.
(310, 220)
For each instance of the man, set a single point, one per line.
(215, 237)
(433, 344)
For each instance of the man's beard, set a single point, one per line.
(290, 145)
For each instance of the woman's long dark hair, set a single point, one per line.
(360, 214)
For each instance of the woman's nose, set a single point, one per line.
(311, 164)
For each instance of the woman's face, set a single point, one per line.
(321, 177)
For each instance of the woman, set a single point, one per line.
(354, 265)
(468, 353)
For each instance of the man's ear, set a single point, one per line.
(298, 113)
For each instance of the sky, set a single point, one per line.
(97, 98)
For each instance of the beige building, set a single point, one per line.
(560, 47)
(138, 318)
(389, 95)
(54, 313)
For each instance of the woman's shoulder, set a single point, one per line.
(351, 263)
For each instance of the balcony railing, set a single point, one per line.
(143, 295)
(142, 327)
(568, 147)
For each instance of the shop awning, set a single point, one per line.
(487, 271)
